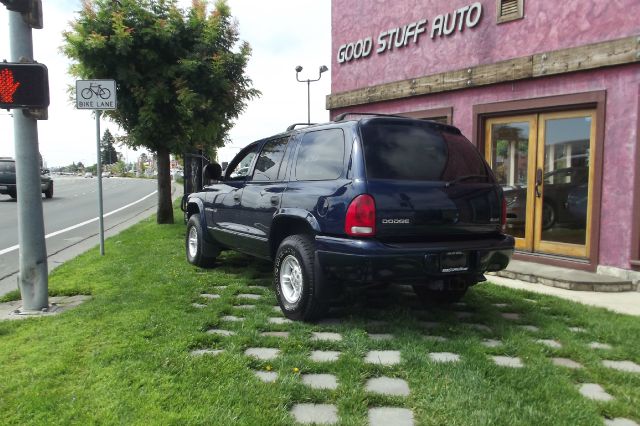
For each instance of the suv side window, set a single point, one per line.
(321, 155)
(241, 169)
(270, 158)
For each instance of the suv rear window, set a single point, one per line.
(403, 151)
(7, 167)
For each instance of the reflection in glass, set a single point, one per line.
(566, 179)
(510, 147)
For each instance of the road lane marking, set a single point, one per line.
(78, 225)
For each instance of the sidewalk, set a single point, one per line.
(624, 303)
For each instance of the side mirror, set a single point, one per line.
(212, 172)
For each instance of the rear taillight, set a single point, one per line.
(503, 218)
(361, 217)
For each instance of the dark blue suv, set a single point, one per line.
(371, 200)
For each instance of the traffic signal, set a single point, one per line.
(23, 86)
(31, 11)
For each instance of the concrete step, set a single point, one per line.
(568, 279)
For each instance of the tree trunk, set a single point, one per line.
(165, 208)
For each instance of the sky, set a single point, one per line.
(282, 34)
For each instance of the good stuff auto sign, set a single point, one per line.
(399, 37)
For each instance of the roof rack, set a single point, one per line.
(293, 126)
(342, 116)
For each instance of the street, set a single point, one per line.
(71, 216)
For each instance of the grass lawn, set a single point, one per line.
(125, 356)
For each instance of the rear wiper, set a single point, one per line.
(461, 178)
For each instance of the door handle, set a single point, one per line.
(236, 196)
(275, 199)
(538, 182)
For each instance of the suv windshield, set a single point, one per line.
(408, 151)
(7, 166)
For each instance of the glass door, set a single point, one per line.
(510, 151)
(543, 162)
(564, 178)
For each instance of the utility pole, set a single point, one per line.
(33, 276)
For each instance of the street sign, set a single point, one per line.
(96, 94)
(23, 85)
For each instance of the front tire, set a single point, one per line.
(196, 246)
(294, 279)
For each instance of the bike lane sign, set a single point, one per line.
(96, 94)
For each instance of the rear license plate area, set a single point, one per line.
(454, 261)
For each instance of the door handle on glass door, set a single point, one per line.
(538, 182)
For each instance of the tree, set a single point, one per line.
(108, 153)
(179, 73)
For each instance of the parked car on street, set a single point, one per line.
(360, 201)
(88, 175)
(8, 179)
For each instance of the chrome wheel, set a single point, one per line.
(193, 241)
(291, 279)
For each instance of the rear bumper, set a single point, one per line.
(370, 261)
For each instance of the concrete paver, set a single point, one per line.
(245, 306)
(383, 357)
(320, 381)
(513, 316)
(435, 338)
(627, 366)
(480, 327)
(264, 354)
(382, 336)
(532, 328)
(200, 352)
(594, 391)
(598, 345)
(322, 414)
(385, 416)
(283, 334)
(491, 343)
(444, 357)
(198, 305)
(209, 296)
(220, 332)
(388, 386)
(326, 336)
(249, 296)
(577, 330)
(324, 356)
(266, 376)
(566, 362)
(554, 344)
(619, 421)
(508, 361)
(279, 320)
(232, 318)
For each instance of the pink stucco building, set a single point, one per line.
(549, 93)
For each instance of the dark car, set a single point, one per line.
(559, 185)
(372, 200)
(8, 179)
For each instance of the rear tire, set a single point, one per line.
(49, 191)
(294, 279)
(196, 246)
(453, 291)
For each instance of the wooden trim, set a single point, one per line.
(635, 211)
(596, 100)
(431, 113)
(604, 54)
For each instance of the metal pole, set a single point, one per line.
(308, 101)
(99, 171)
(33, 277)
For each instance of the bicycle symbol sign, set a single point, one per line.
(96, 94)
